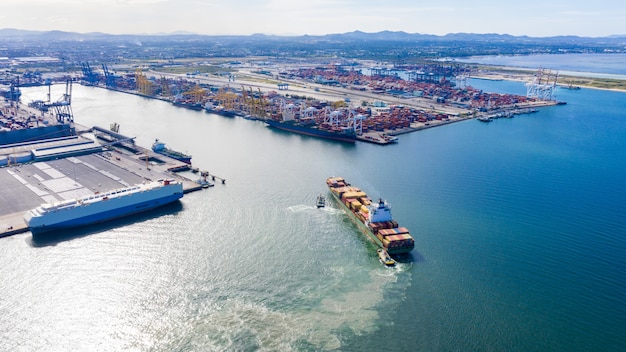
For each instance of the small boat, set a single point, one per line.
(321, 201)
(384, 257)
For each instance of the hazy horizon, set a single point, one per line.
(293, 35)
(291, 18)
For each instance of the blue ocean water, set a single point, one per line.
(592, 65)
(519, 228)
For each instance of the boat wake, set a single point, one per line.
(398, 268)
(304, 207)
(300, 208)
(235, 323)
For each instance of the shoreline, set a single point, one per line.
(517, 74)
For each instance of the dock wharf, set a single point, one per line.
(398, 114)
(214, 177)
(66, 173)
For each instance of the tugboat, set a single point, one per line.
(384, 257)
(321, 201)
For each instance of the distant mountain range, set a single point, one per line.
(384, 46)
(355, 36)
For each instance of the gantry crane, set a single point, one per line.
(250, 104)
(166, 92)
(226, 98)
(109, 77)
(144, 86)
(195, 94)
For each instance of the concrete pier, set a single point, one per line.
(27, 185)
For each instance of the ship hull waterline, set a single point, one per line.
(311, 132)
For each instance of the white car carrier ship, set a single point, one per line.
(103, 206)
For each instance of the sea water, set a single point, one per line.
(519, 227)
(570, 64)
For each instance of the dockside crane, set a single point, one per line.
(252, 103)
(543, 86)
(89, 76)
(144, 86)
(245, 105)
(226, 98)
(166, 92)
(260, 105)
(196, 94)
(63, 107)
(109, 77)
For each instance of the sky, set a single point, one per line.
(536, 18)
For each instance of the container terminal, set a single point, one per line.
(374, 104)
(78, 162)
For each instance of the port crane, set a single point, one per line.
(144, 86)
(543, 85)
(247, 101)
(109, 77)
(90, 77)
(166, 92)
(250, 104)
(226, 98)
(196, 94)
(260, 112)
(63, 106)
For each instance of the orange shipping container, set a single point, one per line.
(386, 232)
(400, 230)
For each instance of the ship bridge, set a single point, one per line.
(380, 212)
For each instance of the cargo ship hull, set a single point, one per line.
(102, 207)
(37, 133)
(362, 227)
(188, 105)
(313, 132)
(177, 156)
(221, 112)
(161, 148)
(372, 219)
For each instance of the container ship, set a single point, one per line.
(304, 122)
(188, 105)
(342, 134)
(219, 110)
(101, 207)
(372, 218)
(161, 148)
